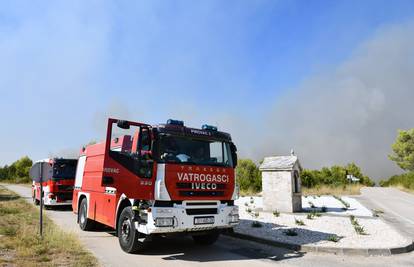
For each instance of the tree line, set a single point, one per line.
(17, 172)
(249, 177)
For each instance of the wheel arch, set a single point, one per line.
(82, 196)
(123, 202)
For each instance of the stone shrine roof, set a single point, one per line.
(285, 163)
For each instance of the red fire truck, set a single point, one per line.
(147, 180)
(59, 189)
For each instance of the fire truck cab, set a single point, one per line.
(58, 190)
(146, 180)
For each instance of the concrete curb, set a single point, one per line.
(331, 250)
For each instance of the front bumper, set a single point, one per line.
(184, 219)
(54, 202)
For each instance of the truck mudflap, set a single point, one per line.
(188, 217)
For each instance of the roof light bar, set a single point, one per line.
(209, 127)
(175, 122)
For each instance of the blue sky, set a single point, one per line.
(66, 65)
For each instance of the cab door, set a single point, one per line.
(127, 171)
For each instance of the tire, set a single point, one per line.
(84, 223)
(36, 202)
(127, 233)
(206, 239)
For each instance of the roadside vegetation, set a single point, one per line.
(20, 244)
(403, 156)
(17, 172)
(403, 182)
(359, 229)
(344, 190)
(327, 181)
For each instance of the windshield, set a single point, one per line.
(176, 149)
(64, 169)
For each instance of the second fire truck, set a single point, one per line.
(59, 189)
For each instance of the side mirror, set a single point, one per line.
(123, 124)
(233, 149)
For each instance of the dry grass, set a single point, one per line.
(353, 189)
(249, 192)
(402, 188)
(20, 244)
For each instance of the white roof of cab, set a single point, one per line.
(285, 163)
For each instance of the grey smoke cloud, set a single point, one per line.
(348, 114)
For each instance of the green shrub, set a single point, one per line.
(405, 180)
(333, 238)
(333, 176)
(248, 176)
(17, 172)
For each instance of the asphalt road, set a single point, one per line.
(398, 207)
(227, 251)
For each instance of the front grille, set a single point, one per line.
(201, 211)
(201, 193)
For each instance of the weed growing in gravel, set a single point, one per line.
(249, 210)
(276, 213)
(324, 209)
(256, 214)
(251, 200)
(354, 221)
(291, 232)
(299, 222)
(246, 204)
(376, 212)
(358, 228)
(315, 214)
(333, 238)
(256, 224)
(311, 204)
(346, 204)
(309, 216)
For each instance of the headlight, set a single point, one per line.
(234, 218)
(234, 215)
(164, 222)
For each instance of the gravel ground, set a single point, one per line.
(319, 230)
(334, 206)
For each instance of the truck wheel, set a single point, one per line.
(206, 239)
(35, 200)
(127, 234)
(84, 223)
